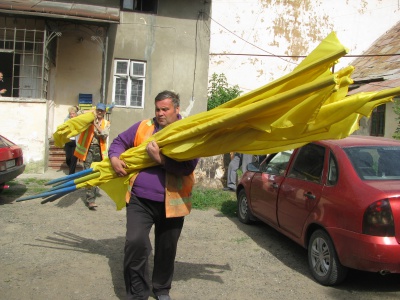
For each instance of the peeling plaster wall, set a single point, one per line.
(27, 129)
(289, 28)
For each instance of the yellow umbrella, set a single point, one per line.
(308, 104)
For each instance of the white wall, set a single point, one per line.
(279, 28)
(24, 123)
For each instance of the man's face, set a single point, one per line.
(1, 76)
(100, 113)
(166, 113)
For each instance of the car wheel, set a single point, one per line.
(243, 211)
(323, 261)
(2, 187)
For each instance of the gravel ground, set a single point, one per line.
(62, 250)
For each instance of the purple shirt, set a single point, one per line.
(150, 183)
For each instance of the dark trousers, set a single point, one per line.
(93, 155)
(141, 215)
(70, 158)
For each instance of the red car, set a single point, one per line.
(11, 161)
(340, 199)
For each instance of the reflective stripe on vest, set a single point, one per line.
(85, 138)
(178, 188)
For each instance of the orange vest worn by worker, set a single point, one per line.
(178, 189)
(85, 138)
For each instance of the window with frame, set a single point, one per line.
(26, 59)
(129, 83)
(378, 121)
(148, 6)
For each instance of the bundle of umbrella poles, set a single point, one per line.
(310, 103)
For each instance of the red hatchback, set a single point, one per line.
(340, 199)
(11, 161)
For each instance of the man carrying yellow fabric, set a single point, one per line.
(159, 196)
(92, 146)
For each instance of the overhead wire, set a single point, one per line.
(270, 53)
(280, 55)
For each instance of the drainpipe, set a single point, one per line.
(105, 53)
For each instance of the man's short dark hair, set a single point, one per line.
(169, 95)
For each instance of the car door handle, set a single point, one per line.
(275, 185)
(309, 195)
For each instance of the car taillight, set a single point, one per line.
(378, 219)
(19, 161)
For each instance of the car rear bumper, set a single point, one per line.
(12, 173)
(367, 253)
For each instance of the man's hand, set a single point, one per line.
(97, 126)
(154, 152)
(118, 166)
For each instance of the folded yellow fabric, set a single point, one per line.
(306, 105)
(72, 127)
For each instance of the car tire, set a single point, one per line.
(323, 261)
(243, 211)
(2, 187)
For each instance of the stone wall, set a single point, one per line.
(211, 171)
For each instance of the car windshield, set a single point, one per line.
(376, 163)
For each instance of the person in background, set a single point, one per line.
(159, 196)
(92, 147)
(237, 160)
(3, 90)
(69, 148)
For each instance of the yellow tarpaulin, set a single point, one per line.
(306, 105)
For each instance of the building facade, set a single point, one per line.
(53, 54)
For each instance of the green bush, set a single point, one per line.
(219, 92)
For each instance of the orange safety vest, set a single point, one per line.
(85, 138)
(178, 189)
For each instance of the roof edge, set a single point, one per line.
(110, 17)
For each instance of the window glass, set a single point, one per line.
(378, 121)
(332, 170)
(277, 165)
(120, 91)
(149, 6)
(128, 4)
(129, 83)
(137, 69)
(136, 92)
(121, 67)
(375, 162)
(309, 163)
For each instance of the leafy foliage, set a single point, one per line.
(396, 108)
(219, 91)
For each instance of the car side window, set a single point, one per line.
(309, 163)
(277, 165)
(332, 170)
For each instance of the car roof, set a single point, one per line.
(359, 140)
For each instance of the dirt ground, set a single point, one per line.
(62, 250)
